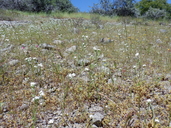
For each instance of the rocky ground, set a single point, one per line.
(84, 75)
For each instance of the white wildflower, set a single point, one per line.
(34, 58)
(134, 66)
(36, 98)
(84, 36)
(33, 84)
(157, 120)
(28, 59)
(40, 65)
(144, 65)
(86, 69)
(96, 49)
(137, 54)
(149, 100)
(91, 116)
(51, 121)
(25, 80)
(71, 75)
(35, 66)
(41, 93)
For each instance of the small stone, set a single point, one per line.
(94, 33)
(42, 94)
(105, 40)
(71, 49)
(13, 62)
(164, 83)
(168, 77)
(24, 107)
(83, 62)
(163, 31)
(6, 49)
(104, 69)
(75, 30)
(57, 42)
(95, 109)
(110, 81)
(76, 125)
(162, 24)
(47, 46)
(1, 116)
(158, 41)
(85, 78)
(101, 26)
(94, 126)
(97, 119)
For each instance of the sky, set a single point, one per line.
(84, 5)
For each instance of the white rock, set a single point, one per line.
(57, 42)
(13, 62)
(97, 119)
(158, 41)
(71, 49)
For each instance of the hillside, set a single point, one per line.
(84, 71)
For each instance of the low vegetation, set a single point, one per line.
(52, 71)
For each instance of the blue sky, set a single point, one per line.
(84, 5)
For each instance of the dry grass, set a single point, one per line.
(134, 62)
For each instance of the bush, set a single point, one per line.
(154, 13)
(9, 15)
(117, 7)
(38, 5)
(144, 5)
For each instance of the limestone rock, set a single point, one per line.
(57, 42)
(47, 46)
(97, 119)
(13, 62)
(105, 40)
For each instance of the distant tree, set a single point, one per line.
(144, 5)
(41, 5)
(125, 7)
(65, 6)
(38, 5)
(115, 7)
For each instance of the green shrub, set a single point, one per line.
(154, 13)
